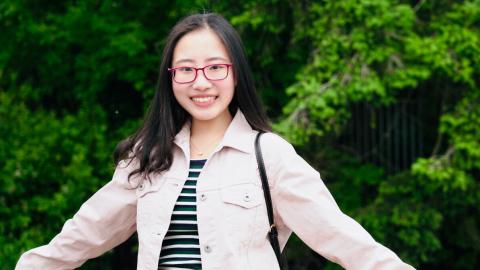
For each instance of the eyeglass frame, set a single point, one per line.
(173, 69)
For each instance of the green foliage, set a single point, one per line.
(48, 169)
(76, 76)
(374, 51)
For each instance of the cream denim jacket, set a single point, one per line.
(232, 217)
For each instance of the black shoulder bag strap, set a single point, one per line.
(273, 233)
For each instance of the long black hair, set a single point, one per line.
(151, 146)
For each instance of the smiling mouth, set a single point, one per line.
(203, 99)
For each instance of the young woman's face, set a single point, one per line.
(202, 98)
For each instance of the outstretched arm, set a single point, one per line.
(305, 205)
(105, 220)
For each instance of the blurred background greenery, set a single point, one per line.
(381, 96)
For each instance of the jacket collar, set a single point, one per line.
(238, 135)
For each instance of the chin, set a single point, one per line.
(204, 116)
(207, 115)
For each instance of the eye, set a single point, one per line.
(185, 69)
(216, 67)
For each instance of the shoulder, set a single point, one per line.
(123, 170)
(281, 155)
(275, 144)
(276, 150)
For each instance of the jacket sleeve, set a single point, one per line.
(305, 206)
(105, 220)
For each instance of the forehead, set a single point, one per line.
(199, 46)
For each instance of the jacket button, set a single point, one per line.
(207, 249)
(141, 187)
(246, 197)
(203, 197)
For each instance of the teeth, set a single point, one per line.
(203, 99)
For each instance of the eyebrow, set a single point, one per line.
(210, 59)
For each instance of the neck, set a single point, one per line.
(210, 128)
(205, 135)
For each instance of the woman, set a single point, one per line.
(187, 182)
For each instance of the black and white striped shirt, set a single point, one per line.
(180, 247)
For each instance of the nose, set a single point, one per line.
(201, 82)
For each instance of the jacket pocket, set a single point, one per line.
(244, 195)
(150, 206)
(148, 187)
(241, 204)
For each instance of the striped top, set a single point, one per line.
(180, 247)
